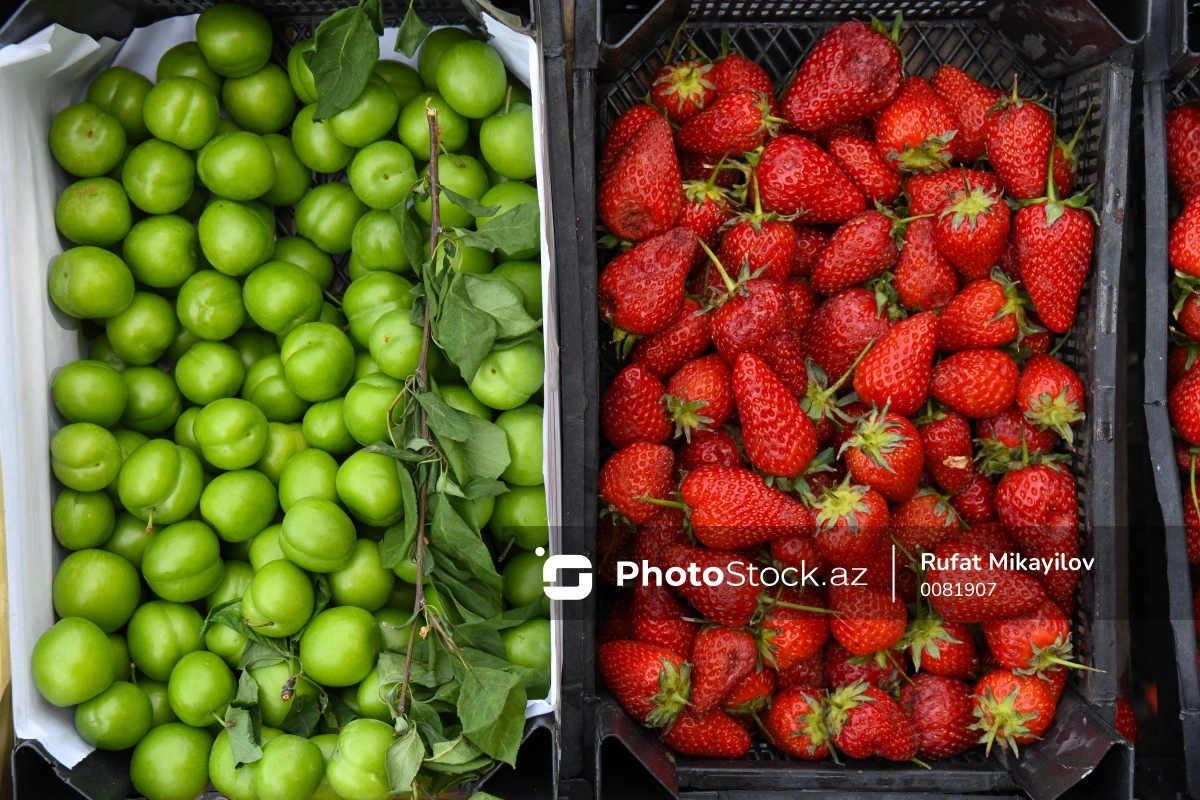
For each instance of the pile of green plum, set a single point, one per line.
(213, 445)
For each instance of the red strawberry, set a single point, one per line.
(867, 620)
(732, 508)
(885, 453)
(735, 123)
(851, 524)
(874, 175)
(659, 619)
(1007, 439)
(1054, 250)
(861, 249)
(734, 72)
(757, 311)
(1183, 244)
(700, 395)
(1183, 404)
(761, 246)
(810, 672)
(924, 279)
(682, 89)
(972, 231)
(942, 648)
(940, 710)
(715, 735)
(1183, 149)
(924, 522)
(858, 128)
(635, 472)
(974, 502)
(1018, 134)
(733, 601)
(662, 530)
(793, 629)
(1187, 313)
(802, 302)
(957, 564)
(650, 682)
(632, 411)
(799, 551)
(986, 313)
(695, 167)
(975, 383)
(778, 436)
(917, 130)
(864, 721)
(929, 194)
(1051, 395)
(1012, 709)
(622, 133)
(752, 694)
(946, 439)
(991, 536)
(810, 242)
(841, 328)
(895, 372)
(969, 101)
(878, 574)
(1126, 723)
(641, 291)
(1036, 641)
(851, 72)
(641, 196)
(795, 723)
(844, 668)
(1038, 505)
(706, 210)
(721, 658)
(1191, 527)
(786, 357)
(682, 340)
(709, 448)
(1066, 160)
(795, 176)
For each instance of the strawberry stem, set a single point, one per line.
(730, 285)
(654, 501)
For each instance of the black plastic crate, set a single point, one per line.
(103, 775)
(1071, 58)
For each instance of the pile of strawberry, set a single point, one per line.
(838, 309)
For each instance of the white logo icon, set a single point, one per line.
(554, 565)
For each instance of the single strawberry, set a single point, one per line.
(969, 101)
(1039, 507)
(623, 131)
(650, 682)
(972, 231)
(686, 337)
(843, 668)
(807, 673)
(641, 195)
(662, 530)
(733, 601)
(940, 710)
(733, 508)
(924, 522)
(987, 313)
(682, 89)
(872, 172)
(751, 694)
(802, 303)
(929, 194)
(734, 72)
(923, 278)
(975, 383)
(778, 436)
(1036, 641)
(1183, 243)
(1187, 313)
(841, 328)
(706, 210)
(639, 471)
(631, 409)
(794, 626)
(641, 291)
(1183, 404)
(917, 130)
(865, 721)
(1051, 395)
(942, 648)
(866, 620)
(957, 564)
(734, 124)
(787, 358)
(852, 71)
(1054, 250)
(810, 241)
(896, 371)
(660, 619)
(1012, 709)
(755, 312)
(795, 176)
(991, 536)
(714, 735)
(885, 453)
(700, 395)
(861, 249)
(696, 167)
(1065, 159)
(721, 658)
(709, 448)
(795, 723)
(1183, 150)
(946, 440)
(1018, 134)
(975, 503)
(759, 244)
(619, 623)
(851, 524)
(1126, 723)
(1008, 439)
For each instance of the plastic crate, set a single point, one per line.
(1071, 59)
(104, 775)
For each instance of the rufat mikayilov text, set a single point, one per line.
(1005, 561)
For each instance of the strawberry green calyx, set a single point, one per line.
(923, 636)
(968, 205)
(1016, 301)
(687, 415)
(698, 192)
(686, 83)
(899, 224)
(674, 691)
(1000, 721)
(931, 155)
(624, 341)
(1067, 149)
(813, 725)
(1056, 413)
(876, 436)
(1056, 655)
(842, 702)
(842, 502)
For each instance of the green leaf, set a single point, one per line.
(404, 758)
(303, 715)
(471, 596)
(416, 246)
(323, 594)
(346, 49)
(500, 301)
(258, 654)
(449, 534)
(247, 691)
(342, 713)
(468, 204)
(457, 757)
(462, 331)
(230, 615)
(398, 540)
(443, 420)
(486, 448)
(374, 11)
(243, 727)
(484, 487)
(481, 636)
(413, 31)
(390, 667)
(518, 228)
(513, 617)
(427, 720)
(491, 707)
